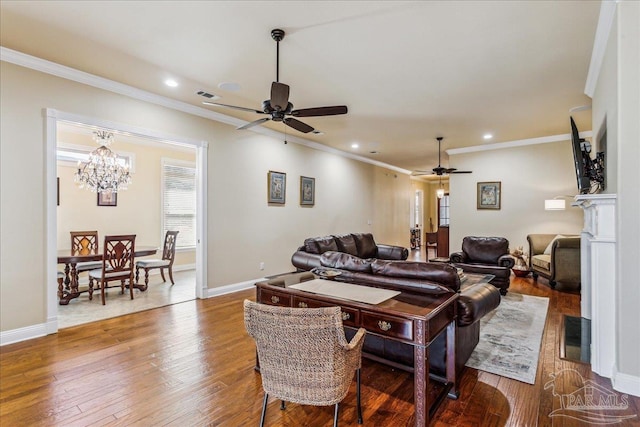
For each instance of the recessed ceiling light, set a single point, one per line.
(230, 86)
(487, 136)
(171, 83)
(355, 145)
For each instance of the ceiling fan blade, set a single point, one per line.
(439, 170)
(461, 171)
(320, 111)
(279, 96)
(215, 104)
(253, 123)
(297, 125)
(449, 170)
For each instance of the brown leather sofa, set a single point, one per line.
(474, 301)
(361, 245)
(486, 255)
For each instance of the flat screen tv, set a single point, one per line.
(581, 159)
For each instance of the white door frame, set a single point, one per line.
(52, 117)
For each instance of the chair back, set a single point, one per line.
(84, 242)
(485, 250)
(301, 352)
(169, 251)
(118, 256)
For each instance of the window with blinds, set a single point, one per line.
(179, 202)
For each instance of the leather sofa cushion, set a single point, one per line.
(367, 247)
(347, 244)
(434, 272)
(345, 261)
(326, 244)
(485, 250)
(542, 261)
(311, 246)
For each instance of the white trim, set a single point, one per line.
(28, 332)
(234, 287)
(48, 67)
(605, 22)
(625, 383)
(516, 143)
(52, 117)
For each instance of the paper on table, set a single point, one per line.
(348, 291)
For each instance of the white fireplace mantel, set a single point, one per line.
(598, 276)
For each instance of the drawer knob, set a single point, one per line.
(346, 316)
(302, 304)
(385, 326)
(275, 299)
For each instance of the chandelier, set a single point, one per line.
(102, 173)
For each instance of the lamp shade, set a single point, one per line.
(440, 193)
(554, 204)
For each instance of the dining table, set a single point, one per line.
(70, 259)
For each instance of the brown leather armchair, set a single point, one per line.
(486, 255)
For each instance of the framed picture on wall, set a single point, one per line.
(277, 187)
(489, 195)
(307, 191)
(108, 199)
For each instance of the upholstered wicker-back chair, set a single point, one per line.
(304, 356)
(168, 255)
(117, 264)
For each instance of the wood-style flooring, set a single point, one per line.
(191, 364)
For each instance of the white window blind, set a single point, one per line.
(179, 202)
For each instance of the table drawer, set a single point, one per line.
(274, 298)
(349, 315)
(387, 325)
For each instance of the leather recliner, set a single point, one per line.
(486, 255)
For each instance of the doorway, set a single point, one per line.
(55, 120)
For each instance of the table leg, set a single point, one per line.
(452, 374)
(420, 385)
(73, 285)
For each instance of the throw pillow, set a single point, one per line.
(547, 251)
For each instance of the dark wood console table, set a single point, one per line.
(408, 318)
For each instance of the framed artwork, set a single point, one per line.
(277, 187)
(307, 191)
(489, 195)
(108, 199)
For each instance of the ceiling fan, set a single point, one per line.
(439, 171)
(278, 106)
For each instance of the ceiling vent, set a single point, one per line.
(207, 94)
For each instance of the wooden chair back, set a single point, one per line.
(169, 251)
(84, 242)
(118, 256)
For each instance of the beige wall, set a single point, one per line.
(616, 102)
(242, 229)
(529, 175)
(138, 210)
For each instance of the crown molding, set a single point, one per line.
(58, 70)
(605, 22)
(517, 143)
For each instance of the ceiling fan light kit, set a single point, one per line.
(278, 106)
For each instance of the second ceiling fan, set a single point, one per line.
(278, 106)
(439, 171)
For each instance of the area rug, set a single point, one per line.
(510, 338)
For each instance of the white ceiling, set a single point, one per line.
(408, 71)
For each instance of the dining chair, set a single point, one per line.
(304, 356)
(117, 264)
(168, 255)
(85, 243)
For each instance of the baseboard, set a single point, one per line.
(625, 383)
(28, 332)
(235, 287)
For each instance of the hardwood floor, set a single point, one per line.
(191, 364)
